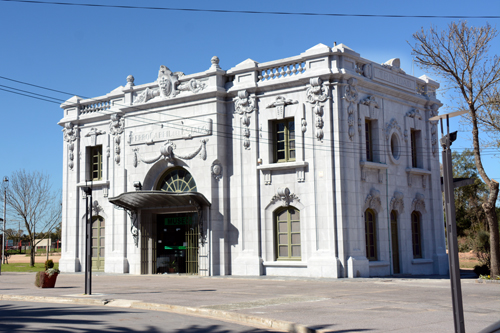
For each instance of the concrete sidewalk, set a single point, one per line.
(288, 304)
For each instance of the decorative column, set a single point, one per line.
(244, 106)
(317, 93)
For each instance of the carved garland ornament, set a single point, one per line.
(317, 93)
(351, 96)
(434, 136)
(167, 153)
(116, 127)
(244, 105)
(70, 136)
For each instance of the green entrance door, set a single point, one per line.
(177, 243)
(97, 244)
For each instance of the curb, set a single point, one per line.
(239, 318)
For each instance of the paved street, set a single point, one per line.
(50, 318)
(323, 305)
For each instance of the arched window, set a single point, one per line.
(98, 244)
(371, 234)
(416, 234)
(177, 180)
(288, 234)
(395, 242)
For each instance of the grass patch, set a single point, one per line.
(25, 267)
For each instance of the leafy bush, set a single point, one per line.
(481, 270)
(482, 247)
(49, 264)
(38, 279)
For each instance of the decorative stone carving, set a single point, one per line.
(116, 128)
(414, 113)
(316, 94)
(373, 201)
(130, 81)
(70, 135)
(284, 195)
(167, 86)
(280, 104)
(96, 208)
(351, 96)
(215, 63)
(392, 125)
(134, 226)
(244, 105)
(167, 153)
(418, 203)
(394, 65)
(192, 85)
(216, 170)
(397, 202)
(434, 136)
(92, 134)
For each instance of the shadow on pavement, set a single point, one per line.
(85, 320)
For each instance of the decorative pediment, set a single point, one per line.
(280, 104)
(92, 134)
(284, 195)
(373, 201)
(418, 203)
(371, 101)
(397, 202)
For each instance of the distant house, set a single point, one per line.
(324, 164)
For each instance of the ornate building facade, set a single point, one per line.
(323, 164)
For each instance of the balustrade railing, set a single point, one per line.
(281, 71)
(95, 106)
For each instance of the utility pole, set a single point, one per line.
(451, 225)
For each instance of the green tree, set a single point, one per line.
(468, 199)
(29, 196)
(460, 55)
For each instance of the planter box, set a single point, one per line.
(43, 280)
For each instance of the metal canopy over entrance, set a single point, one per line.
(136, 200)
(171, 225)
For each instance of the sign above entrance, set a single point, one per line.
(173, 130)
(178, 220)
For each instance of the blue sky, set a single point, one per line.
(90, 51)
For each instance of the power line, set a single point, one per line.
(357, 150)
(254, 12)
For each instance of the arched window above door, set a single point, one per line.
(177, 180)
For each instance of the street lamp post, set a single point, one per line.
(88, 242)
(451, 225)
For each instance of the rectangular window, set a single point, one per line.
(416, 235)
(96, 162)
(368, 140)
(284, 140)
(371, 235)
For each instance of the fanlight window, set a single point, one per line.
(177, 180)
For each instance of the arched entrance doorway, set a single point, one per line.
(177, 233)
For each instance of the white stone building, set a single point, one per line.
(323, 164)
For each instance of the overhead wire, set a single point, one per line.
(254, 12)
(262, 139)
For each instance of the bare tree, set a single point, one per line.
(460, 55)
(30, 197)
